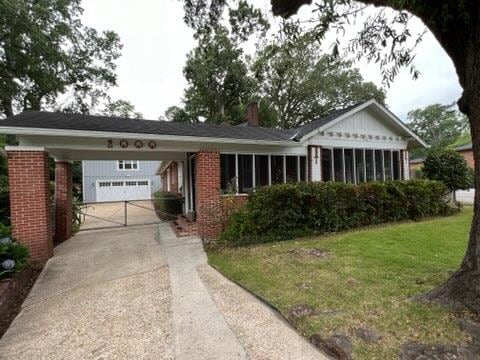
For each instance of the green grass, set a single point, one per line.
(368, 278)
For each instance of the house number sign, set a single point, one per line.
(124, 144)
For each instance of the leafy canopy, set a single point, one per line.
(450, 167)
(45, 50)
(439, 125)
(302, 83)
(121, 108)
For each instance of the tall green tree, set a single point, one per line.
(449, 167)
(439, 125)
(218, 81)
(302, 83)
(45, 51)
(121, 108)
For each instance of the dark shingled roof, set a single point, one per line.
(464, 147)
(66, 121)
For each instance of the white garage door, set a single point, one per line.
(114, 190)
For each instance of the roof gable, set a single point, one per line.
(369, 116)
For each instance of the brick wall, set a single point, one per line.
(30, 202)
(207, 193)
(63, 200)
(468, 156)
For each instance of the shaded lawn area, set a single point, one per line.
(365, 281)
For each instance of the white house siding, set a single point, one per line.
(103, 170)
(363, 130)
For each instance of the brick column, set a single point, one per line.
(207, 191)
(30, 208)
(63, 200)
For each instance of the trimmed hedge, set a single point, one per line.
(168, 204)
(286, 211)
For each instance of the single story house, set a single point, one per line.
(108, 180)
(364, 142)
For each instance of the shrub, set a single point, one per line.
(13, 256)
(450, 167)
(168, 204)
(285, 211)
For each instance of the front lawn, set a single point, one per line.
(365, 280)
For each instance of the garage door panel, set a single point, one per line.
(120, 190)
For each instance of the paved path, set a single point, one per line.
(142, 293)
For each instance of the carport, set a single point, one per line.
(69, 137)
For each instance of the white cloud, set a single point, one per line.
(156, 42)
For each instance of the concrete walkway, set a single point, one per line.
(140, 292)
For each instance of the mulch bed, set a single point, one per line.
(12, 294)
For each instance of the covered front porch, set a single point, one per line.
(31, 198)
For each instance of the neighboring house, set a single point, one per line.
(466, 151)
(416, 166)
(107, 180)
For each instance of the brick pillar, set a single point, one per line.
(30, 210)
(207, 191)
(63, 200)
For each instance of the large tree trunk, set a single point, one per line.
(462, 290)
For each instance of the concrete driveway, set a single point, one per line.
(99, 215)
(142, 293)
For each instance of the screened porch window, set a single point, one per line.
(338, 164)
(291, 168)
(370, 165)
(396, 165)
(349, 166)
(245, 173)
(227, 171)
(261, 170)
(387, 158)
(359, 162)
(276, 169)
(327, 165)
(360, 165)
(303, 168)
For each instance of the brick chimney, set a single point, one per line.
(252, 114)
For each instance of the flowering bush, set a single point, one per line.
(13, 256)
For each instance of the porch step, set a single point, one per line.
(183, 226)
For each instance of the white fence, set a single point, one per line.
(465, 196)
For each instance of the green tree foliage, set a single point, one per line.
(206, 16)
(218, 82)
(121, 108)
(45, 50)
(449, 167)
(439, 125)
(302, 83)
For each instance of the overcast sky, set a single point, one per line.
(156, 42)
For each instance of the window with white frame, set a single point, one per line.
(127, 165)
(247, 171)
(360, 165)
